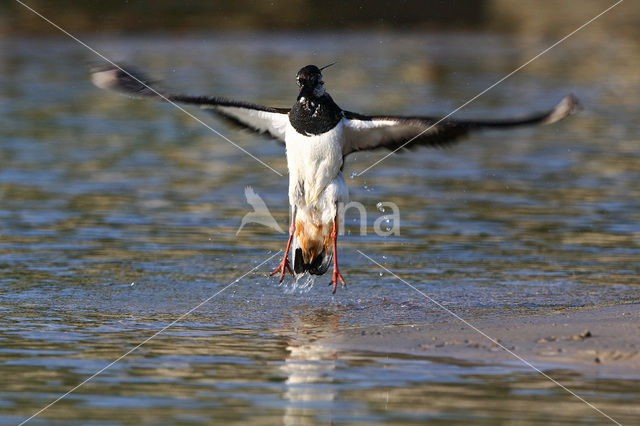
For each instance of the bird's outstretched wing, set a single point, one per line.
(260, 119)
(364, 132)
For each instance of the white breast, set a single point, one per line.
(313, 161)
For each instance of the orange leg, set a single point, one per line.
(336, 273)
(284, 265)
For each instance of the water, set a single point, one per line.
(118, 216)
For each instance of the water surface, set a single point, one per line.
(117, 216)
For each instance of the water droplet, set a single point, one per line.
(353, 174)
(132, 284)
(380, 273)
(380, 207)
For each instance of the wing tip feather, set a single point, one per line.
(122, 80)
(567, 106)
(104, 77)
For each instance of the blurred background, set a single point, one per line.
(547, 17)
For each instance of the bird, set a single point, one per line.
(260, 214)
(318, 136)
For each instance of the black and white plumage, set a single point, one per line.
(318, 135)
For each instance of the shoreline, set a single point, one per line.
(593, 340)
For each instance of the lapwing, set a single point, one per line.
(319, 135)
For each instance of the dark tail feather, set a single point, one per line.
(317, 265)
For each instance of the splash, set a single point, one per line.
(302, 284)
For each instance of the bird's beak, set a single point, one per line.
(327, 66)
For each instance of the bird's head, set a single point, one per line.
(309, 80)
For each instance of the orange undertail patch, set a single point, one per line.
(313, 238)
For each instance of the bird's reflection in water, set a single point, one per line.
(310, 367)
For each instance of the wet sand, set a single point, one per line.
(593, 340)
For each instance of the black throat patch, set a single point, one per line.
(314, 116)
